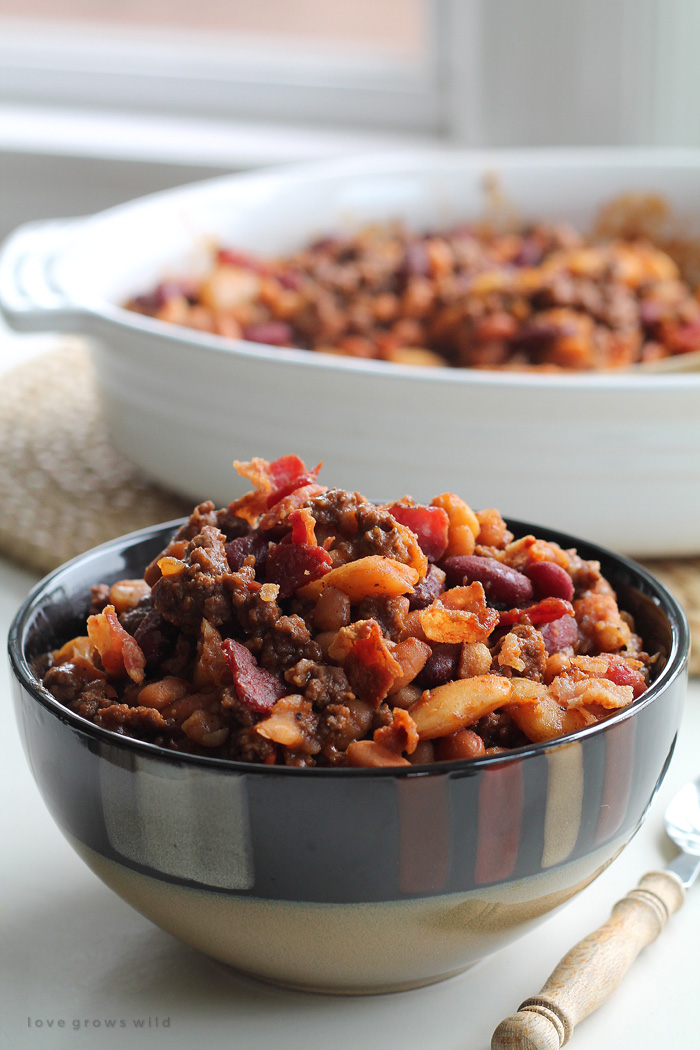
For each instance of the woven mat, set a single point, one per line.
(64, 489)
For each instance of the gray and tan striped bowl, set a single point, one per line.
(345, 880)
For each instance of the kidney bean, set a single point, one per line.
(501, 583)
(332, 610)
(155, 637)
(416, 262)
(475, 659)
(99, 597)
(424, 753)
(549, 580)
(465, 743)
(147, 304)
(239, 549)
(330, 243)
(650, 312)
(559, 634)
(229, 257)
(441, 666)
(290, 280)
(430, 587)
(495, 328)
(164, 292)
(538, 335)
(530, 253)
(406, 696)
(160, 694)
(682, 338)
(276, 333)
(291, 565)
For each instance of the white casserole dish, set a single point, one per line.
(612, 457)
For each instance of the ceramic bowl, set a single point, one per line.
(615, 458)
(345, 880)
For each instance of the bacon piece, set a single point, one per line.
(401, 735)
(277, 475)
(459, 615)
(211, 666)
(615, 668)
(303, 527)
(289, 476)
(272, 481)
(620, 672)
(119, 653)
(430, 525)
(79, 652)
(283, 508)
(417, 559)
(255, 687)
(367, 660)
(292, 565)
(257, 471)
(546, 611)
(601, 692)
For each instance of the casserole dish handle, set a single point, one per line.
(30, 299)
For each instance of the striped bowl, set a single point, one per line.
(345, 880)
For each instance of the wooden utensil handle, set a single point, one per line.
(591, 971)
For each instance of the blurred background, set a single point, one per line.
(102, 100)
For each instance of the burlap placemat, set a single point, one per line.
(64, 489)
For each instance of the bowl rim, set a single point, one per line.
(674, 668)
(103, 312)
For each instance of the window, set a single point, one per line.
(480, 72)
(369, 63)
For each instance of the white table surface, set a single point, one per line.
(73, 952)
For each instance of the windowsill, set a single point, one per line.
(171, 140)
